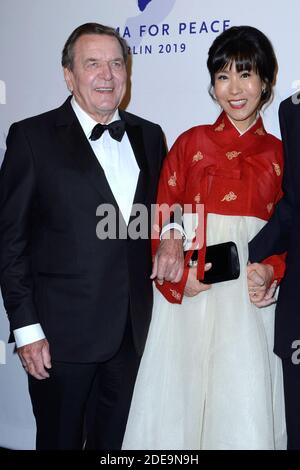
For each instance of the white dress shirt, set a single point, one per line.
(121, 170)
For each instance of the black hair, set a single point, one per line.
(67, 59)
(250, 50)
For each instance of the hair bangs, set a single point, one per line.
(244, 58)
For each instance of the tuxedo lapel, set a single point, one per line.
(135, 136)
(80, 153)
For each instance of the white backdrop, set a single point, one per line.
(169, 82)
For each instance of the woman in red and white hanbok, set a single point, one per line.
(209, 378)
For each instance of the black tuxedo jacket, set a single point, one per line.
(54, 269)
(282, 233)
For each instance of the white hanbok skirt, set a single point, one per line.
(208, 378)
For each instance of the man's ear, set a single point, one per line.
(68, 79)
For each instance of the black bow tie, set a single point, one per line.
(115, 128)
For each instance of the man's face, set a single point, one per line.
(98, 79)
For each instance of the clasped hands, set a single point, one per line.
(261, 286)
(169, 265)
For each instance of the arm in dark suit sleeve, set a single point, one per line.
(163, 147)
(273, 238)
(17, 187)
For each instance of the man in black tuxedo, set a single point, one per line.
(281, 234)
(79, 304)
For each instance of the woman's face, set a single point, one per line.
(239, 94)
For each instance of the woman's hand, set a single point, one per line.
(260, 285)
(193, 286)
(269, 297)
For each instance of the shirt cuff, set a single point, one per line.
(174, 226)
(28, 334)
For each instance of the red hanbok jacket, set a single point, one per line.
(229, 173)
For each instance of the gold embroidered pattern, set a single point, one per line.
(277, 168)
(220, 127)
(172, 180)
(197, 198)
(270, 207)
(229, 197)
(231, 155)
(175, 294)
(197, 157)
(260, 131)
